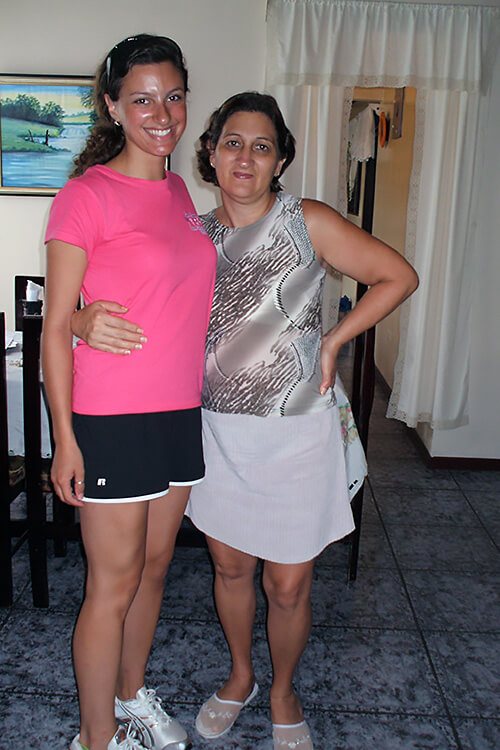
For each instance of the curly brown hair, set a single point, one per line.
(247, 101)
(106, 138)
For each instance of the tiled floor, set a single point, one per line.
(406, 657)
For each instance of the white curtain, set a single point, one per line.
(432, 371)
(319, 117)
(357, 43)
(318, 49)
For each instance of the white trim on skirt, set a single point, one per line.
(140, 498)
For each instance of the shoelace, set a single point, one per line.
(157, 712)
(131, 740)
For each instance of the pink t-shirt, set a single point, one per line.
(146, 249)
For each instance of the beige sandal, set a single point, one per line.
(217, 716)
(292, 736)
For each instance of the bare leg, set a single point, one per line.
(114, 536)
(164, 518)
(288, 589)
(235, 600)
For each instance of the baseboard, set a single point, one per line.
(440, 462)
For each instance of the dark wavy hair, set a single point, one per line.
(106, 139)
(247, 101)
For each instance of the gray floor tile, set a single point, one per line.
(393, 446)
(374, 550)
(375, 599)
(343, 669)
(367, 670)
(190, 660)
(382, 428)
(486, 505)
(468, 667)
(20, 578)
(404, 505)
(350, 731)
(370, 514)
(66, 577)
(35, 720)
(410, 472)
(335, 555)
(493, 530)
(330, 731)
(189, 586)
(252, 730)
(479, 734)
(35, 653)
(444, 548)
(478, 481)
(448, 600)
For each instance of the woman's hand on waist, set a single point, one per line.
(328, 360)
(101, 327)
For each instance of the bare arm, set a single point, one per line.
(103, 330)
(66, 266)
(357, 254)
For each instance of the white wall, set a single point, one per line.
(224, 45)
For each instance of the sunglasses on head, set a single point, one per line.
(121, 51)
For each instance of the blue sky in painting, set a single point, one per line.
(67, 96)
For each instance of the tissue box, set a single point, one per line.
(31, 307)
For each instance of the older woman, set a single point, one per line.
(275, 487)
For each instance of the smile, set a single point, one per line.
(242, 175)
(160, 133)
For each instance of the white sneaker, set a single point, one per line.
(159, 731)
(126, 738)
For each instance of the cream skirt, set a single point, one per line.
(274, 487)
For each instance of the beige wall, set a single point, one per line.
(224, 45)
(394, 163)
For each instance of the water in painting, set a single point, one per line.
(42, 128)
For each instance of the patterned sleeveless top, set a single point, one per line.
(263, 341)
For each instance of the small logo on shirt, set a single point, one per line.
(195, 223)
(101, 482)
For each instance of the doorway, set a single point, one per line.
(388, 199)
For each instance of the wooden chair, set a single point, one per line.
(63, 525)
(11, 483)
(363, 389)
(363, 381)
(35, 500)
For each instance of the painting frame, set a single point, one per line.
(43, 125)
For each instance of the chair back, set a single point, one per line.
(32, 395)
(10, 486)
(4, 434)
(5, 553)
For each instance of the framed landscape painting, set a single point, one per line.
(44, 123)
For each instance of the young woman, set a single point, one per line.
(127, 429)
(276, 484)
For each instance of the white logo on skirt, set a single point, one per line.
(101, 482)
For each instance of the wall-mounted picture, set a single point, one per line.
(44, 123)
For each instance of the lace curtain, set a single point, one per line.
(317, 50)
